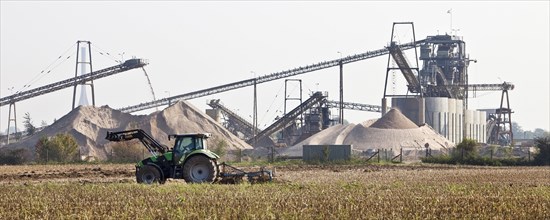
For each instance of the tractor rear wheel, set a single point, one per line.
(148, 175)
(199, 169)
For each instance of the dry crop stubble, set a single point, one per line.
(331, 192)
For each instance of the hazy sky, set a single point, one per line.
(196, 45)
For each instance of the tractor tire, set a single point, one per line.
(148, 175)
(200, 169)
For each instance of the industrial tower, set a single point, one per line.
(437, 93)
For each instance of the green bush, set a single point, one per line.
(477, 160)
(467, 153)
(467, 148)
(29, 127)
(219, 147)
(126, 152)
(543, 156)
(60, 148)
(13, 157)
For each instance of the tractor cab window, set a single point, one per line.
(185, 144)
(200, 144)
(203, 143)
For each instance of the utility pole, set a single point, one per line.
(341, 109)
(341, 93)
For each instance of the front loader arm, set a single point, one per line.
(153, 146)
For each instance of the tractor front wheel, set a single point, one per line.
(148, 175)
(199, 169)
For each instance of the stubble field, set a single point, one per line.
(299, 192)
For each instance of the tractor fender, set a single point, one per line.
(146, 161)
(207, 153)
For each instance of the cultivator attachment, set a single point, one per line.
(233, 175)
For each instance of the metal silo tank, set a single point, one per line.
(436, 111)
(451, 121)
(459, 120)
(468, 121)
(483, 123)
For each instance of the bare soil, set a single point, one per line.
(67, 173)
(123, 173)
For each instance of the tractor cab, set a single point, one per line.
(187, 143)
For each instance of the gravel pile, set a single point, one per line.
(393, 131)
(89, 126)
(394, 119)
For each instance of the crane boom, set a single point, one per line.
(267, 78)
(127, 65)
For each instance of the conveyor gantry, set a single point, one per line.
(491, 87)
(445, 89)
(282, 122)
(355, 106)
(267, 78)
(237, 123)
(127, 65)
(483, 87)
(397, 53)
(377, 108)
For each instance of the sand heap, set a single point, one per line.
(393, 131)
(393, 120)
(89, 126)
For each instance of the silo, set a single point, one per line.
(476, 124)
(468, 121)
(436, 112)
(451, 121)
(459, 120)
(483, 123)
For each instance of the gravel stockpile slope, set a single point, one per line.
(89, 126)
(393, 131)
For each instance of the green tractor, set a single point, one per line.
(188, 159)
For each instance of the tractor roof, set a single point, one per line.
(200, 135)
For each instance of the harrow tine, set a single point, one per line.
(233, 175)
